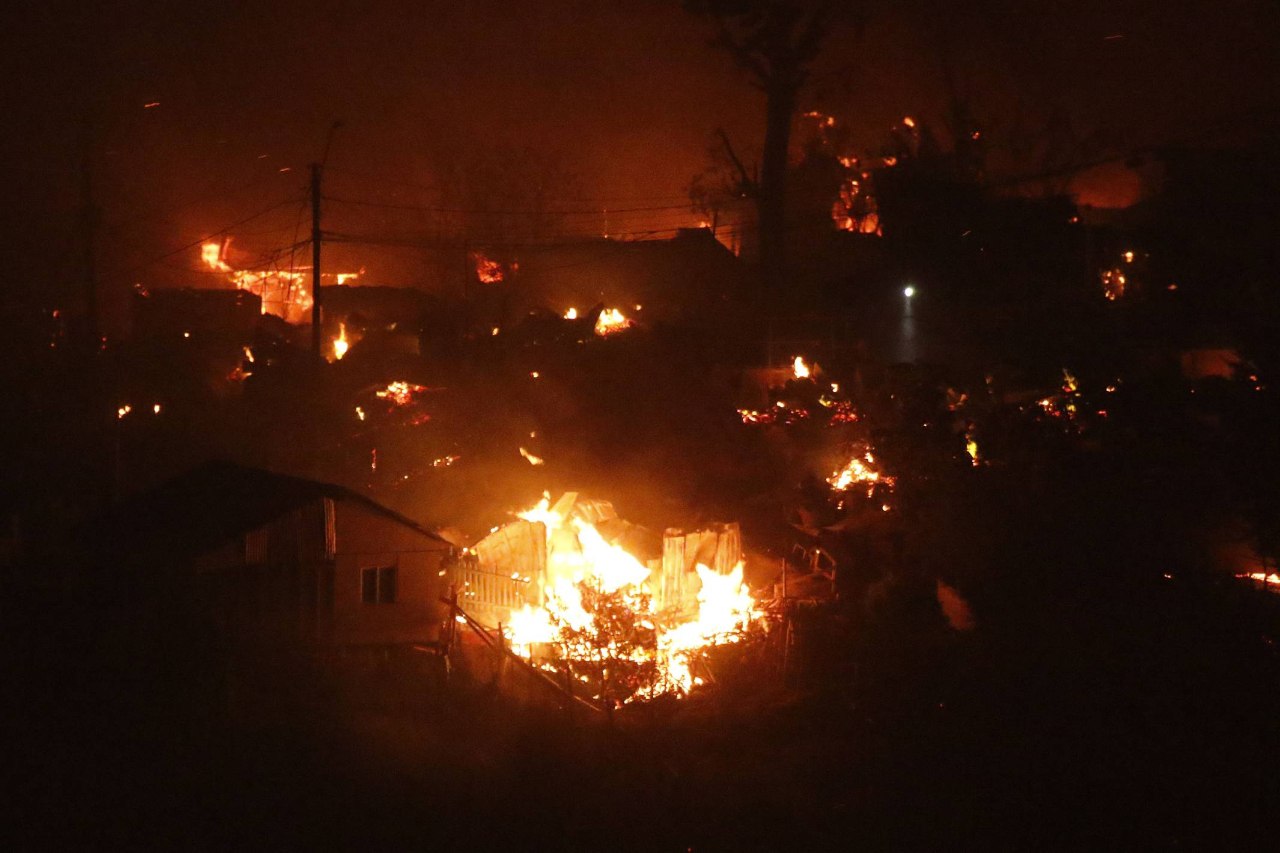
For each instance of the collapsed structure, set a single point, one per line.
(570, 586)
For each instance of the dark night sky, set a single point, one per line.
(625, 95)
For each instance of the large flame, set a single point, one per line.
(577, 556)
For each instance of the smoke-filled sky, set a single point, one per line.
(615, 101)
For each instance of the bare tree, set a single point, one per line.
(776, 43)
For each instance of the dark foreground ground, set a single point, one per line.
(1143, 719)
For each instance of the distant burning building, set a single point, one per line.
(688, 274)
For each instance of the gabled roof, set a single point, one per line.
(210, 505)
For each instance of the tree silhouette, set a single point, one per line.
(776, 43)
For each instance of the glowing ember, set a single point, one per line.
(800, 369)
(860, 471)
(123, 410)
(401, 393)
(610, 321)
(1114, 283)
(599, 621)
(571, 314)
(488, 270)
(284, 292)
(532, 460)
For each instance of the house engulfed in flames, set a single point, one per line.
(572, 588)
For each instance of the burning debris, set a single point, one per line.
(488, 271)
(573, 601)
(609, 321)
(801, 398)
(1114, 283)
(284, 292)
(400, 393)
(1119, 279)
(860, 471)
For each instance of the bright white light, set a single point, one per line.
(908, 291)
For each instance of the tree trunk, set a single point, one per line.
(771, 203)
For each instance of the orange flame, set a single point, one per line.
(340, 343)
(610, 321)
(488, 270)
(578, 553)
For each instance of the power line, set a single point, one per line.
(402, 182)
(220, 232)
(478, 211)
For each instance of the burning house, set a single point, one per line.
(650, 277)
(572, 588)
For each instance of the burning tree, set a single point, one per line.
(615, 652)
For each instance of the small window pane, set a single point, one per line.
(387, 585)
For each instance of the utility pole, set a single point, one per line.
(89, 227)
(315, 262)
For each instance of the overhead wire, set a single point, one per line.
(488, 212)
(220, 232)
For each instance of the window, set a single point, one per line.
(255, 546)
(378, 585)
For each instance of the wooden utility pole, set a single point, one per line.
(89, 220)
(315, 262)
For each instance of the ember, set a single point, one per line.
(860, 470)
(488, 270)
(400, 393)
(1113, 283)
